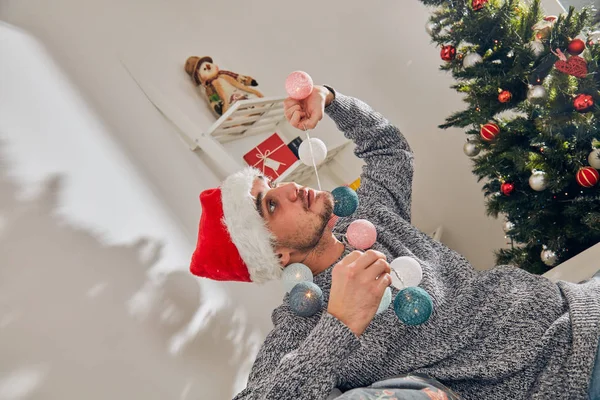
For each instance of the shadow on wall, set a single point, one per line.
(66, 330)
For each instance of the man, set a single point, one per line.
(498, 334)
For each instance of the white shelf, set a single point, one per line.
(248, 118)
(299, 172)
(244, 119)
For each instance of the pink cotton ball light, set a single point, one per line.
(298, 85)
(332, 221)
(361, 234)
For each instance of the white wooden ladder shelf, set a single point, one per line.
(244, 119)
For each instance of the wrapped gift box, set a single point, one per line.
(273, 157)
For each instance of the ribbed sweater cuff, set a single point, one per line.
(331, 340)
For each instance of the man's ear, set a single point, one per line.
(284, 257)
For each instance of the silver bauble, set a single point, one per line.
(471, 149)
(537, 181)
(471, 59)
(431, 27)
(549, 257)
(508, 226)
(594, 159)
(537, 94)
(537, 48)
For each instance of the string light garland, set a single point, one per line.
(412, 305)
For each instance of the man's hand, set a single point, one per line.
(358, 283)
(306, 114)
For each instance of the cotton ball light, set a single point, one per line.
(413, 306)
(361, 234)
(471, 59)
(294, 274)
(405, 272)
(331, 223)
(298, 85)
(386, 300)
(319, 151)
(345, 201)
(306, 299)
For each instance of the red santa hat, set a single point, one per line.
(234, 243)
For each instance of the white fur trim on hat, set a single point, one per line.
(247, 229)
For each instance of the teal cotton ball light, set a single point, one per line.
(413, 306)
(345, 201)
(306, 299)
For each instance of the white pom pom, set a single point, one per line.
(319, 150)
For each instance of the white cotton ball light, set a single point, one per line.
(294, 274)
(319, 151)
(406, 272)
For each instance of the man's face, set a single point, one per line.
(297, 216)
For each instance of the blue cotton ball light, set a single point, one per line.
(385, 300)
(306, 299)
(294, 274)
(413, 306)
(345, 201)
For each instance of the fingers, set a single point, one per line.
(313, 120)
(376, 270)
(384, 281)
(294, 114)
(368, 258)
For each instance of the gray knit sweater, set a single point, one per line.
(497, 334)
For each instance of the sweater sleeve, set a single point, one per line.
(387, 176)
(291, 367)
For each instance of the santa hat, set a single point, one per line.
(234, 243)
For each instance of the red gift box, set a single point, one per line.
(272, 157)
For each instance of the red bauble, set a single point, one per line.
(587, 177)
(583, 102)
(478, 4)
(576, 47)
(448, 52)
(504, 96)
(489, 131)
(507, 188)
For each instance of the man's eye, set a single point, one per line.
(271, 206)
(272, 184)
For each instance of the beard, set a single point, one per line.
(304, 242)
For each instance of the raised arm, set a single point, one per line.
(387, 176)
(289, 366)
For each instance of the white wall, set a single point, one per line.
(95, 298)
(126, 175)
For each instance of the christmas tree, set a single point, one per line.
(532, 120)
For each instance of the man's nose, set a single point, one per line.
(289, 190)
